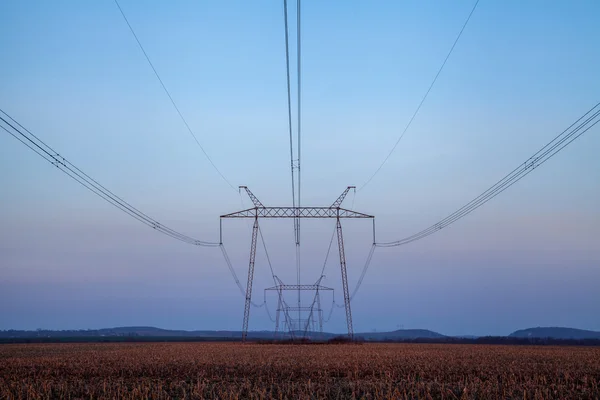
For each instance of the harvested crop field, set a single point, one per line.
(345, 371)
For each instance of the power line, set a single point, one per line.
(323, 269)
(47, 153)
(296, 221)
(299, 57)
(328, 251)
(299, 93)
(237, 281)
(293, 163)
(234, 275)
(262, 239)
(280, 299)
(326, 320)
(35, 144)
(232, 271)
(364, 271)
(171, 98)
(312, 308)
(293, 166)
(423, 99)
(289, 102)
(562, 140)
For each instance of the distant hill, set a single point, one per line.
(555, 333)
(401, 334)
(533, 336)
(149, 332)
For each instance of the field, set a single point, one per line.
(345, 371)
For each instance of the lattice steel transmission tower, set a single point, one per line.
(334, 211)
(315, 316)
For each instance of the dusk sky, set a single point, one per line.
(522, 72)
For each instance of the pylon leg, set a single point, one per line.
(340, 238)
(277, 314)
(320, 315)
(250, 279)
(276, 323)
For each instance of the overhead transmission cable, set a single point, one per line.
(268, 261)
(299, 92)
(38, 146)
(289, 102)
(326, 320)
(279, 294)
(295, 163)
(235, 277)
(328, 251)
(562, 140)
(323, 273)
(364, 271)
(360, 280)
(410, 121)
(299, 132)
(312, 309)
(189, 129)
(362, 275)
(26, 137)
(262, 239)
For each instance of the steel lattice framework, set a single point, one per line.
(296, 212)
(296, 324)
(333, 211)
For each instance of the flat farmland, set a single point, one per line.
(258, 371)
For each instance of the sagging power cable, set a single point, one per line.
(562, 140)
(26, 137)
(189, 129)
(410, 121)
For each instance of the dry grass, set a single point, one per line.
(235, 371)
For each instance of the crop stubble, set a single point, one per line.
(233, 370)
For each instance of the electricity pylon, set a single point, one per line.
(334, 211)
(315, 313)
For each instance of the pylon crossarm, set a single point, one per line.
(297, 212)
(305, 308)
(299, 287)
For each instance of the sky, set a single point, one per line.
(72, 73)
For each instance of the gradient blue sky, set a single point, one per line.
(522, 72)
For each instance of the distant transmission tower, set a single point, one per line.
(302, 327)
(334, 211)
